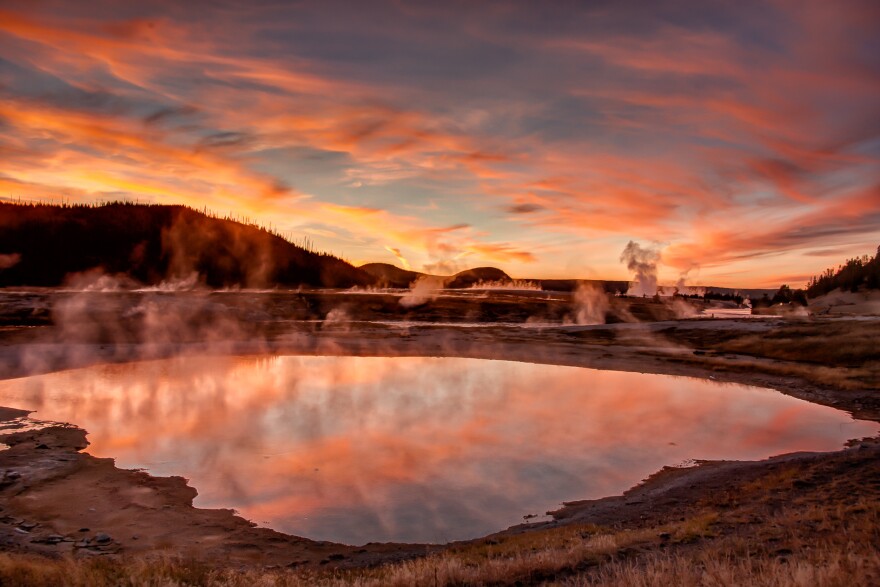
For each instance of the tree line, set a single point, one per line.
(860, 272)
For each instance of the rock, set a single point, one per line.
(21, 531)
(102, 538)
(84, 530)
(52, 539)
(81, 544)
(28, 525)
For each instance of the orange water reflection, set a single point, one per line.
(418, 449)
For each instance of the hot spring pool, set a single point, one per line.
(373, 449)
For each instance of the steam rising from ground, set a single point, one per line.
(422, 290)
(643, 261)
(517, 284)
(686, 290)
(99, 318)
(590, 305)
(338, 319)
(10, 260)
(682, 309)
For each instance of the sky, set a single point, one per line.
(740, 140)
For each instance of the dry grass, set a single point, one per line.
(840, 354)
(824, 343)
(527, 558)
(699, 526)
(838, 550)
(850, 565)
(817, 568)
(803, 523)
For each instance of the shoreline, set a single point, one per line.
(123, 499)
(631, 347)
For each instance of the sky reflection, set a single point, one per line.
(359, 449)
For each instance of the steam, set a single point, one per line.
(682, 309)
(515, 284)
(445, 267)
(682, 288)
(642, 261)
(338, 319)
(99, 319)
(188, 241)
(9, 260)
(96, 280)
(188, 283)
(422, 290)
(591, 304)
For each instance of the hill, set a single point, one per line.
(469, 277)
(43, 245)
(861, 272)
(387, 275)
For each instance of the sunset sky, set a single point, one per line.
(741, 139)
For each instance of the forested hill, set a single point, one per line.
(43, 245)
(861, 272)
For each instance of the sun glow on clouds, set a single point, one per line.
(536, 142)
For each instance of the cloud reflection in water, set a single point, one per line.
(359, 449)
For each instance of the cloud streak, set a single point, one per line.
(557, 134)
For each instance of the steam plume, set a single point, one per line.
(642, 261)
(8, 261)
(422, 290)
(591, 304)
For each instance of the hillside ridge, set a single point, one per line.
(48, 245)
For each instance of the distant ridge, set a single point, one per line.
(44, 245)
(388, 275)
(470, 277)
(47, 245)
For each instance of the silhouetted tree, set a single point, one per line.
(854, 274)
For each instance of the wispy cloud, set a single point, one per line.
(730, 134)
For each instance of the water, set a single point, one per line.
(355, 449)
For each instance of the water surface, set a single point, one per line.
(359, 449)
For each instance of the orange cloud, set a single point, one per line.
(552, 141)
